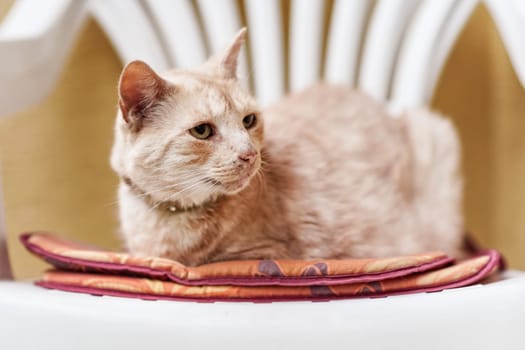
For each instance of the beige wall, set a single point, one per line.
(57, 177)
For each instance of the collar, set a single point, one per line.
(173, 207)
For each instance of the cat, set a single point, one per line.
(207, 176)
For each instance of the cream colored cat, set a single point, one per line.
(334, 176)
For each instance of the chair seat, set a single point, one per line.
(483, 316)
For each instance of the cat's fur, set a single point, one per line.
(335, 176)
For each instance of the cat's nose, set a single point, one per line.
(248, 156)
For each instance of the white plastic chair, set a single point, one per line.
(393, 49)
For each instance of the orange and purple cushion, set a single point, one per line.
(83, 268)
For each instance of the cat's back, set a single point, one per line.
(340, 160)
(322, 101)
(331, 129)
(360, 182)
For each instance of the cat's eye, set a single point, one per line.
(249, 121)
(202, 131)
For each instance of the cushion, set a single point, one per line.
(84, 268)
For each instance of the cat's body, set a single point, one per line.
(335, 177)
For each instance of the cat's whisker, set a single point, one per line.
(185, 189)
(110, 204)
(262, 182)
(224, 173)
(180, 175)
(189, 188)
(154, 207)
(178, 193)
(221, 170)
(187, 180)
(145, 194)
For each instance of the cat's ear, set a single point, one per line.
(139, 88)
(227, 61)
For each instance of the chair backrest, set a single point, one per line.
(5, 266)
(392, 49)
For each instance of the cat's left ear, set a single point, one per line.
(228, 61)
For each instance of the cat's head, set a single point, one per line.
(189, 135)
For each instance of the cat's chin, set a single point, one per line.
(236, 186)
(242, 179)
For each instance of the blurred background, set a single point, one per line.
(54, 155)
